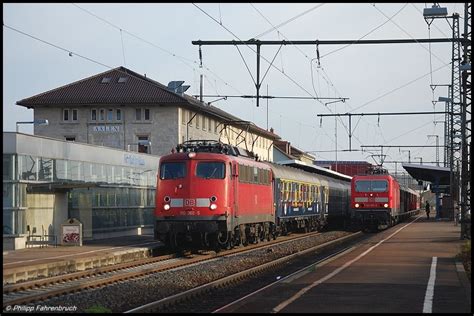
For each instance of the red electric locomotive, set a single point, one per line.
(209, 195)
(378, 201)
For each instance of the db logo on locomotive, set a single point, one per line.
(189, 202)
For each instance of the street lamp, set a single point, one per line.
(409, 154)
(35, 122)
(435, 11)
(437, 148)
(444, 99)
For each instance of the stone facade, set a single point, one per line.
(126, 110)
(164, 126)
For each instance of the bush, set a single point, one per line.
(465, 257)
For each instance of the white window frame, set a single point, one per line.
(72, 115)
(102, 117)
(64, 112)
(183, 116)
(110, 115)
(96, 112)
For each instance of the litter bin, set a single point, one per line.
(71, 233)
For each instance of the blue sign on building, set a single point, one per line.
(133, 160)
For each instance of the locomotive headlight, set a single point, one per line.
(357, 205)
(167, 199)
(192, 155)
(385, 205)
(213, 206)
(166, 207)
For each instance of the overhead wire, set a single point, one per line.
(400, 87)
(290, 20)
(183, 59)
(404, 31)
(328, 81)
(57, 46)
(370, 32)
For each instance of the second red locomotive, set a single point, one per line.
(379, 201)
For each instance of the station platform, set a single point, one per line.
(409, 268)
(31, 263)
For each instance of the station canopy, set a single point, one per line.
(432, 174)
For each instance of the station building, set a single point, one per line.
(122, 109)
(47, 181)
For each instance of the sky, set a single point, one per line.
(156, 39)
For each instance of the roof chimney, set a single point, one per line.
(271, 130)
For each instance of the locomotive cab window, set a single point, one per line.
(172, 170)
(210, 170)
(371, 186)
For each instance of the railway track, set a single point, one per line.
(213, 295)
(43, 289)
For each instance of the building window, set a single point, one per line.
(142, 144)
(183, 116)
(110, 115)
(70, 138)
(209, 124)
(147, 114)
(190, 118)
(203, 122)
(102, 114)
(74, 115)
(215, 126)
(197, 120)
(93, 115)
(119, 115)
(138, 114)
(65, 114)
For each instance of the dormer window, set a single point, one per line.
(106, 80)
(122, 79)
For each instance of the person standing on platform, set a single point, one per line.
(427, 209)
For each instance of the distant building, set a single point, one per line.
(282, 150)
(349, 168)
(122, 109)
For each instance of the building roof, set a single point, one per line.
(291, 151)
(341, 162)
(432, 174)
(137, 89)
(127, 87)
(315, 169)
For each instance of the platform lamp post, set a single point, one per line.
(409, 154)
(35, 122)
(335, 123)
(421, 159)
(437, 148)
